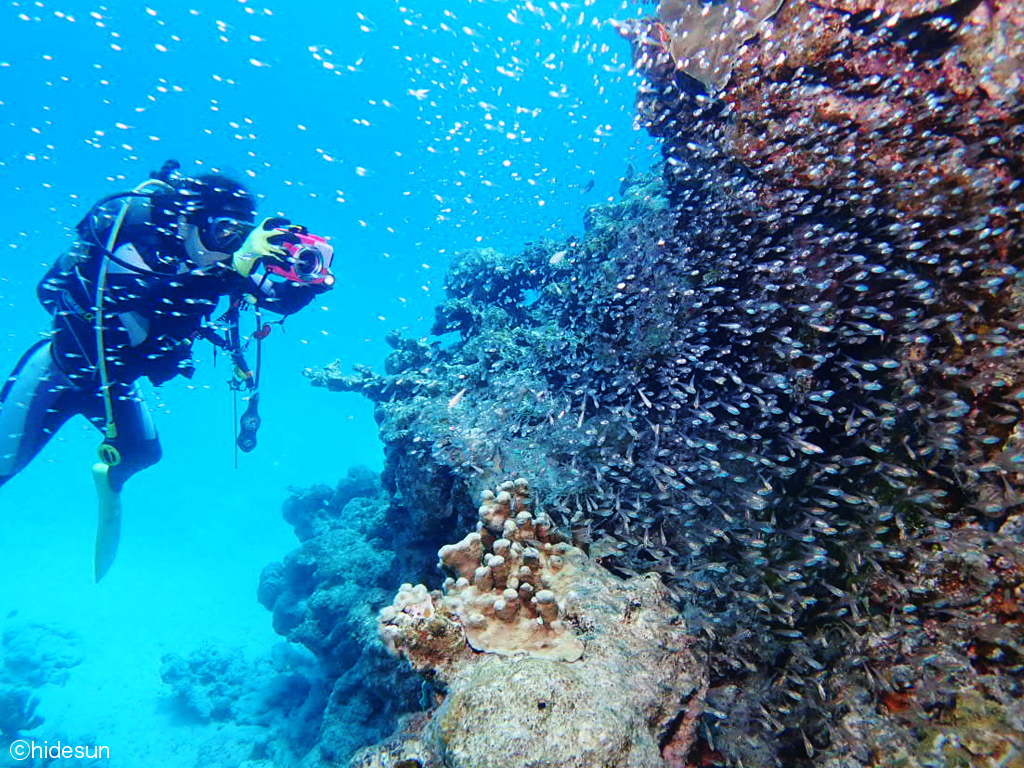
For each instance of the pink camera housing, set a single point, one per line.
(309, 261)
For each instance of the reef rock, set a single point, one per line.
(216, 685)
(540, 654)
(35, 654)
(18, 712)
(785, 373)
(704, 37)
(355, 544)
(907, 109)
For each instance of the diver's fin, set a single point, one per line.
(108, 527)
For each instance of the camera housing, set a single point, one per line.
(309, 261)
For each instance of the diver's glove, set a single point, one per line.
(264, 242)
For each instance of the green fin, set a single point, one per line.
(108, 527)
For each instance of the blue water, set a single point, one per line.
(405, 131)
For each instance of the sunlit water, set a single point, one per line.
(405, 131)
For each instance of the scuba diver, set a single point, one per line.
(139, 287)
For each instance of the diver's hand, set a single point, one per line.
(264, 242)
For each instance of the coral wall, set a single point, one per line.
(785, 375)
(355, 544)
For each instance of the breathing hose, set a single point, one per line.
(109, 454)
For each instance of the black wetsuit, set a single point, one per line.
(151, 317)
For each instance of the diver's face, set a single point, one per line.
(197, 252)
(224, 233)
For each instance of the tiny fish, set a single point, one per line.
(806, 446)
(457, 398)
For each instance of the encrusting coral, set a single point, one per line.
(703, 37)
(540, 651)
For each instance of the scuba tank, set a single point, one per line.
(149, 219)
(72, 288)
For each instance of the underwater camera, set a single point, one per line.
(309, 261)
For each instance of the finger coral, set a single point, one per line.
(540, 651)
(505, 594)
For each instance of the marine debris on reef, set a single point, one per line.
(538, 653)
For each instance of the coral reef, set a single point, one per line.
(786, 375)
(35, 654)
(312, 594)
(217, 685)
(705, 37)
(266, 711)
(32, 655)
(906, 110)
(355, 543)
(900, 123)
(946, 668)
(542, 654)
(17, 712)
(505, 595)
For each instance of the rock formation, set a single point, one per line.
(538, 653)
(785, 375)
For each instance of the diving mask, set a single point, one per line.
(224, 234)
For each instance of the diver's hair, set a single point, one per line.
(216, 193)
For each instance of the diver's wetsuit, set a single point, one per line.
(39, 397)
(151, 315)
